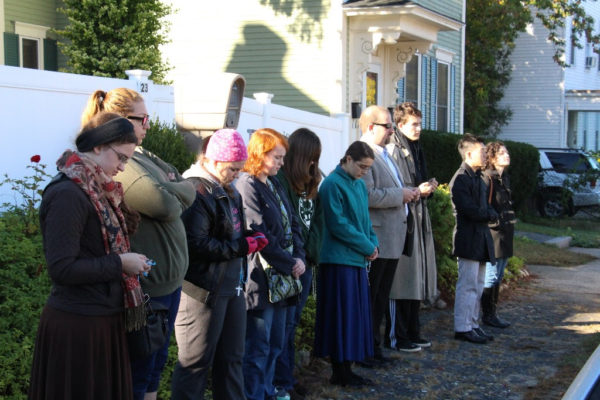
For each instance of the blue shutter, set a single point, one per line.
(425, 91)
(401, 90)
(433, 90)
(11, 49)
(452, 105)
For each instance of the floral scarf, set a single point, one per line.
(107, 195)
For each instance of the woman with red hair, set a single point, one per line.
(267, 210)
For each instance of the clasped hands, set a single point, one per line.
(256, 242)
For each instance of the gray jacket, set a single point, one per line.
(386, 207)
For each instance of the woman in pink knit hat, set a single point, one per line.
(211, 322)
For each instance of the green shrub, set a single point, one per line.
(442, 224)
(513, 269)
(167, 143)
(443, 160)
(24, 287)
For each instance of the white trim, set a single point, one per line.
(40, 50)
(2, 32)
(445, 56)
(448, 83)
(36, 31)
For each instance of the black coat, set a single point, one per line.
(263, 214)
(85, 279)
(472, 239)
(503, 230)
(216, 256)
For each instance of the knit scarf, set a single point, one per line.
(107, 195)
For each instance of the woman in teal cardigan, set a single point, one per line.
(343, 325)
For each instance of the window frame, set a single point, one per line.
(447, 106)
(31, 32)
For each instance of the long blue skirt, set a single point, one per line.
(343, 329)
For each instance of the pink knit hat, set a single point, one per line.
(226, 145)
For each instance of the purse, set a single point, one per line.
(152, 336)
(281, 286)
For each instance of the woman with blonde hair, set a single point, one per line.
(157, 191)
(267, 210)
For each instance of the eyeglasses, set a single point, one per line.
(144, 119)
(386, 126)
(363, 167)
(122, 157)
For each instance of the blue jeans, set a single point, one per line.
(495, 272)
(265, 335)
(284, 371)
(145, 373)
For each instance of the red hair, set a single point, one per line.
(261, 142)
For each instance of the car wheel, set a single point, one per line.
(553, 205)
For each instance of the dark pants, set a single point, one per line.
(284, 370)
(146, 372)
(403, 324)
(210, 337)
(381, 277)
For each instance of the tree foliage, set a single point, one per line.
(108, 37)
(492, 28)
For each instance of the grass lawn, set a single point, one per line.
(584, 231)
(543, 254)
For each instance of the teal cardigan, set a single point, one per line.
(348, 236)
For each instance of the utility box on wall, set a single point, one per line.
(205, 104)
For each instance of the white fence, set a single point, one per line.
(40, 114)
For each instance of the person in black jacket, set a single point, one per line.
(81, 349)
(502, 231)
(211, 321)
(472, 241)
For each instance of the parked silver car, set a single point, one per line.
(568, 182)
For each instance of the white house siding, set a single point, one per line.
(577, 76)
(536, 92)
(290, 49)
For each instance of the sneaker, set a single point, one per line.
(282, 394)
(408, 347)
(421, 342)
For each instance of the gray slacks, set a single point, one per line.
(469, 287)
(210, 337)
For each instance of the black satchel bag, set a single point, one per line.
(151, 337)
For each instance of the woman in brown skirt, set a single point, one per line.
(81, 349)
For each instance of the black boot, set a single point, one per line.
(500, 323)
(487, 310)
(338, 376)
(355, 380)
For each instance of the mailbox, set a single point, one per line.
(209, 103)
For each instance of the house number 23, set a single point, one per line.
(143, 87)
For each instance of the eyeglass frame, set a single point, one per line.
(389, 125)
(123, 159)
(145, 119)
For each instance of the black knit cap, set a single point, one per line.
(109, 132)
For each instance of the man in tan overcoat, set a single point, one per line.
(416, 276)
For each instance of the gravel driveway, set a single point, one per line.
(550, 313)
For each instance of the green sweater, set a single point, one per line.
(348, 237)
(310, 214)
(155, 189)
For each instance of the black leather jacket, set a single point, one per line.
(217, 256)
